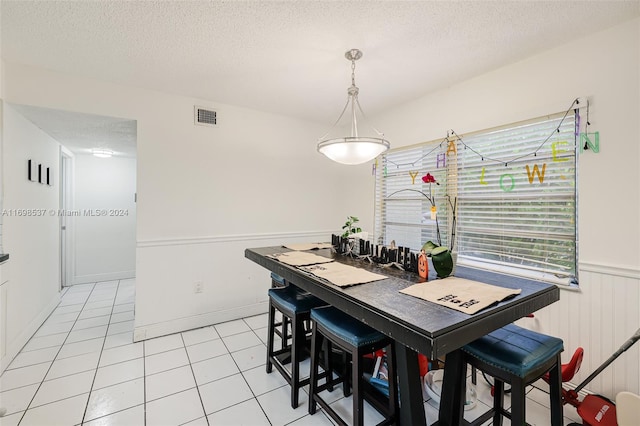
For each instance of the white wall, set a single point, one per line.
(605, 68)
(204, 194)
(105, 246)
(33, 271)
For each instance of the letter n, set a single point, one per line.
(585, 142)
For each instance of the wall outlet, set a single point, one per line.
(198, 286)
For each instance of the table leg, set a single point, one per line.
(411, 405)
(453, 388)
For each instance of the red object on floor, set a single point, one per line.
(595, 410)
(375, 355)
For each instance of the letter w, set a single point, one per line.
(536, 171)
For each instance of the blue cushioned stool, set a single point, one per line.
(356, 339)
(281, 326)
(519, 357)
(295, 306)
(277, 281)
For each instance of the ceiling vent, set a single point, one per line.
(205, 117)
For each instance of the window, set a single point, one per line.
(513, 190)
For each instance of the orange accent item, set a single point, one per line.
(423, 265)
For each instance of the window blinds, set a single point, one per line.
(514, 189)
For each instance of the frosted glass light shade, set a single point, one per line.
(353, 150)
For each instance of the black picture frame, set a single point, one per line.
(31, 170)
(49, 177)
(40, 176)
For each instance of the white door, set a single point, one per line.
(64, 213)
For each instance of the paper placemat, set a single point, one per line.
(343, 275)
(299, 258)
(308, 246)
(460, 294)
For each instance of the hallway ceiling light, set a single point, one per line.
(354, 149)
(102, 152)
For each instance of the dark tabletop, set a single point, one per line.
(423, 326)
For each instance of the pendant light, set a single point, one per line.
(102, 152)
(354, 149)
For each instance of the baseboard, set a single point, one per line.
(16, 346)
(197, 321)
(94, 278)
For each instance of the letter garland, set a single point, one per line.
(590, 140)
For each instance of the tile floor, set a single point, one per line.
(82, 368)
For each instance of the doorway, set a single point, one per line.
(96, 190)
(66, 225)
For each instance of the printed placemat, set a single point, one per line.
(308, 246)
(461, 294)
(299, 258)
(343, 275)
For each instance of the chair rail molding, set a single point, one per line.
(233, 237)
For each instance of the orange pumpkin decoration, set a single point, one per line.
(423, 265)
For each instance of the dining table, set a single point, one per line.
(417, 326)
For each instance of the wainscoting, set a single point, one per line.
(599, 316)
(232, 286)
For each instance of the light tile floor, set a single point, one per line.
(82, 367)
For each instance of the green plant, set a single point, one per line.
(350, 227)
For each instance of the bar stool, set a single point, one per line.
(519, 357)
(295, 306)
(280, 326)
(355, 339)
(277, 281)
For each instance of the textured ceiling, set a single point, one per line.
(81, 132)
(287, 57)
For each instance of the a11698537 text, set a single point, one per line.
(62, 212)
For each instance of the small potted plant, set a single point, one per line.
(351, 230)
(350, 227)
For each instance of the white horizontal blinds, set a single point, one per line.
(514, 208)
(520, 211)
(402, 209)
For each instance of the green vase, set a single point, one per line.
(428, 247)
(442, 261)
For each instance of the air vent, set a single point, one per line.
(205, 117)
